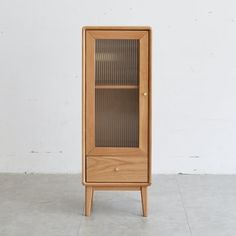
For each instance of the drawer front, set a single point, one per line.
(116, 169)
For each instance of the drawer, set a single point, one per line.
(116, 169)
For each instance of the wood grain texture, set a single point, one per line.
(104, 168)
(118, 184)
(150, 108)
(116, 169)
(144, 200)
(91, 36)
(144, 91)
(129, 28)
(83, 105)
(90, 94)
(116, 34)
(116, 86)
(104, 151)
(88, 200)
(115, 188)
(113, 151)
(92, 198)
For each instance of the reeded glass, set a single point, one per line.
(116, 62)
(116, 108)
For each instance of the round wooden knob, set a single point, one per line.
(116, 169)
(145, 94)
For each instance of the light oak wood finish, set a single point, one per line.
(120, 184)
(101, 151)
(150, 108)
(91, 36)
(89, 191)
(129, 28)
(116, 86)
(89, 91)
(116, 34)
(83, 104)
(143, 89)
(114, 188)
(88, 200)
(122, 168)
(117, 169)
(144, 200)
(92, 198)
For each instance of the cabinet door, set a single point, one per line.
(116, 74)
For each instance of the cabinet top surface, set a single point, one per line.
(117, 28)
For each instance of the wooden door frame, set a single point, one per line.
(91, 36)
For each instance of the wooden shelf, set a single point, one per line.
(116, 86)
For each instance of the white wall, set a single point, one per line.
(194, 82)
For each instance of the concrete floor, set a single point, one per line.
(52, 205)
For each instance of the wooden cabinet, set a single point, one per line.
(116, 110)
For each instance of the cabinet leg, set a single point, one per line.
(144, 200)
(88, 199)
(92, 199)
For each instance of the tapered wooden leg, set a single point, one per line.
(144, 200)
(88, 200)
(92, 199)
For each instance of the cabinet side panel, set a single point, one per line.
(83, 106)
(150, 109)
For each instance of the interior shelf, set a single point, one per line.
(116, 86)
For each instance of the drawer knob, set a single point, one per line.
(145, 94)
(116, 169)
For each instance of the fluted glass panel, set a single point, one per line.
(117, 118)
(116, 62)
